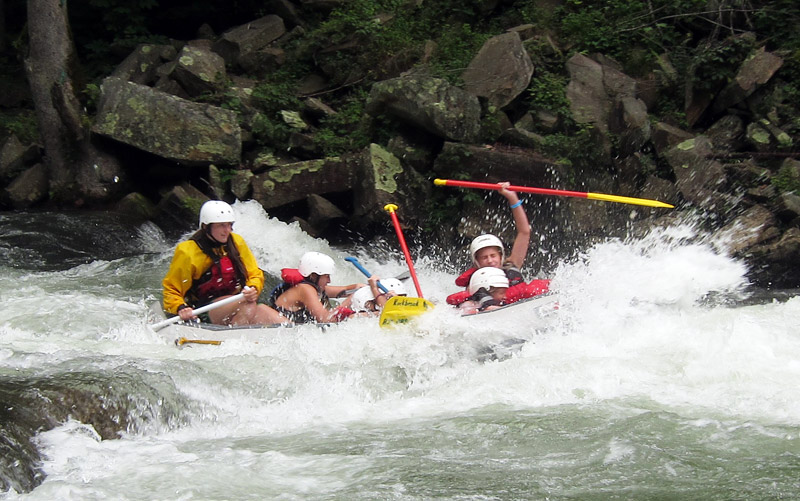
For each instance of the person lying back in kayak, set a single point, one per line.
(487, 288)
(214, 264)
(487, 251)
(371, 299)
(304, 296)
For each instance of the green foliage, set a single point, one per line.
(270, 131)
(787, 179)
(548, 92)
(578, 148)
(346, 130)
(456, 47)
(226, 175)
(22, 124)
(277, 93)
(716, 64)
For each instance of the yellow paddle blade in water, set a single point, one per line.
(401, 309)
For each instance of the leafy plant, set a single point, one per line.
(22, 124)
(344, 131)
(787, 179)
(548, 92)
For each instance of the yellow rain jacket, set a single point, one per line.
(190, 262)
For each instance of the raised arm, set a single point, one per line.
(520, 248)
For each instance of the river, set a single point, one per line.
(663, 376)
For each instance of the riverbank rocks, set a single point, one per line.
(500, 71)
(293, 182)
(429, 103)
(166, 125)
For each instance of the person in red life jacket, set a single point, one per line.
(487, 288)
(370, 298)
(305, 294)
(213, 264)
(487, 251)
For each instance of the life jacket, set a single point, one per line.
(222, 278)
(513, 294)
(292, 277)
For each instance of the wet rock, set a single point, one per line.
(665, 136)
(699, 177)
(28, 189)
(754, 226)
(726, 133)
(137, 206)
(322, 214)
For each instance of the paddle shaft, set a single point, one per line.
(202, 309)
(363, 270)
(391, 208)
(547, 191)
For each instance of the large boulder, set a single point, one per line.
(28, 189)
(754, 72)
(776, 262)
(101, 177)
(199, 71)
(384, 180)
(242, 43)
(755, 226)
(520, 166)
(700, 178)
(593, 89)
(142, 64)
(500, 71)
(14, 157)
(429, 103)
(166, 125)
(293, 182)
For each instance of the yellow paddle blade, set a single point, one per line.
(628, 200)
(400, 309)
(182, 340)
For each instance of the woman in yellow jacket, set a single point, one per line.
(213, 264)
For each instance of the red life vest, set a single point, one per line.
(291, 276)
(513, 294)
(219, 280)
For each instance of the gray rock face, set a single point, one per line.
(241, 43)
(500, 71)
(294, 182)
(199, 70)
(142, 64)
(166, 125)
(699, 178)
(429, 103)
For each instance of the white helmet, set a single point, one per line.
(484, 241)
(315, 262)
(487, 277)
(216, 211)
(395, 285)
(360, 298)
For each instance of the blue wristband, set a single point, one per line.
(516, 205)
